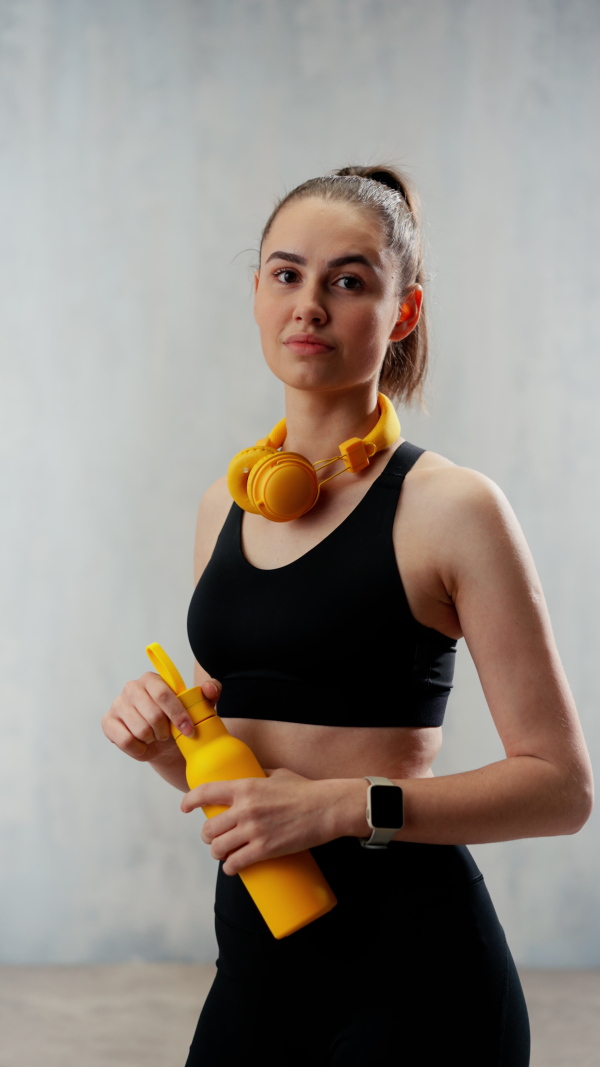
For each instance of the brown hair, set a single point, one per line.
(394, 201)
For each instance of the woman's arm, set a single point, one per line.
(212, 512)
(544, 785)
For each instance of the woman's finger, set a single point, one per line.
(167, 702)
(138, 725)
(209, 793)
(117, 732)
(242, 857)
(147, 707)
(217, 824)
(225, 844)
(212, 690)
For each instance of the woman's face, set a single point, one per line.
(326, 272)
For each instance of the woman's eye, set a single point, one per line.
(283, 276)
(282, 271)
(351, 278)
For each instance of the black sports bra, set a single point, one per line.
(295, 644)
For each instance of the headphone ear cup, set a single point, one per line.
(283, 486)
(239, 471)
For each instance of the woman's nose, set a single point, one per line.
(309, 305)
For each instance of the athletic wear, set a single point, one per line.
(410, 968)
(286, 643)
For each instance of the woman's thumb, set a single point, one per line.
(212, 689)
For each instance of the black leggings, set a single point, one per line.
(411, 968)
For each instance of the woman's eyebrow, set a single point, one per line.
(340, 261)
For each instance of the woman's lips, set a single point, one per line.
(308, 348)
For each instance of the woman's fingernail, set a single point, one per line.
(209, 689)
(187, 728)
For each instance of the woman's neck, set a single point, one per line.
(317, 423)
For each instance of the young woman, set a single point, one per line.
(328, 641)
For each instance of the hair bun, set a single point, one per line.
(378, 173)
(386, 178)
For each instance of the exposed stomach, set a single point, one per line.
(340, 751)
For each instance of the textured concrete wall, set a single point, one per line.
(143, 143)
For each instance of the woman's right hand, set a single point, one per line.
(139, 719)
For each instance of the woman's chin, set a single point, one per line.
(312, 377)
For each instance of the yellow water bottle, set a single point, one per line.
(289, 891)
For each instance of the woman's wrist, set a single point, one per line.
(347, 806)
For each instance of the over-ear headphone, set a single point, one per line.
(283, 485)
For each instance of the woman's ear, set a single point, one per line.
(256, 279)
(408, 314)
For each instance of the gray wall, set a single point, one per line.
(143, 144)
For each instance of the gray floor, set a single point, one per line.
(143, 1015)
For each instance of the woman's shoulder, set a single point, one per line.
(451, 520)
(461, 521)
(452, 505)
(213, 509)
(436, 482)
(215, 499)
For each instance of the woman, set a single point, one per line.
(334, 669)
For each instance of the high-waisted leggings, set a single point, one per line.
(411, 967)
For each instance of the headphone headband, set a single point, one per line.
(383, 434)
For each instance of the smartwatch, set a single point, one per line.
(385, 811)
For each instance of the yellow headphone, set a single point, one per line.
(283, 485)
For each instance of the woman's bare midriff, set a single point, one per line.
(338, 751)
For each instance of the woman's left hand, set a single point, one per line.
(265, 817)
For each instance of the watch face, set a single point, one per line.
(386, 806)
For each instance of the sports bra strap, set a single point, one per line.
(403, 459)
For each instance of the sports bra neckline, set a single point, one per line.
(340, 525)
